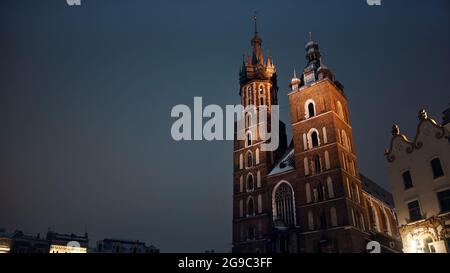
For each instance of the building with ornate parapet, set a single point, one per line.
(419, 177)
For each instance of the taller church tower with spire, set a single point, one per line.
(308, 196)
(258, 87)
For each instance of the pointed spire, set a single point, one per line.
(310, 36)
(295, 74)
(256, 43)
(255, 14)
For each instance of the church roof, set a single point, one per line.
(376, 191)
(285, 164)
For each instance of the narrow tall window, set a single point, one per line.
(320, 192)
(311, 110)
(250, 207)
(310, 220)
(249, 139)
(250, 183)
(317, 166)
(407, 180)
(323, 221)
(308, 193)
(249, 160)
(414, 211)
(444, 200)
(330, 187)
(333, 214)
(437, 168)
(315, 139)
(340, 110)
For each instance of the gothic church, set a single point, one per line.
(307, 196)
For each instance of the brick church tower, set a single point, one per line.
(331, 214)
(258, 86)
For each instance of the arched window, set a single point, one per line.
(340, 110)
(241, 161)
(248, 120)
(249, 139)
(377, 223)
(310, 220)
(249, 160)
(428, 247)
(321, 192)
(325, 137)
(333, 214)
(317, 165)
(327, 160)
(306, 165)
(241, 208)
(308, 193)
(310, 109)
(250, 206)
(323, 221)
(344, 161)
(251, 233)
(257, 156)
(305, 143)
(261, 90)
(258, 179)
(388, 223)
(315, 139)
(330, 187)
(259, 203)
(250, 185)
(283, 204)
(354, 193)
(344, 139)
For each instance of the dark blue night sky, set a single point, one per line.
(86, 94)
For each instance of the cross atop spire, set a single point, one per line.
(255, 14)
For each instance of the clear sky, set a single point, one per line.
(86, 94)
